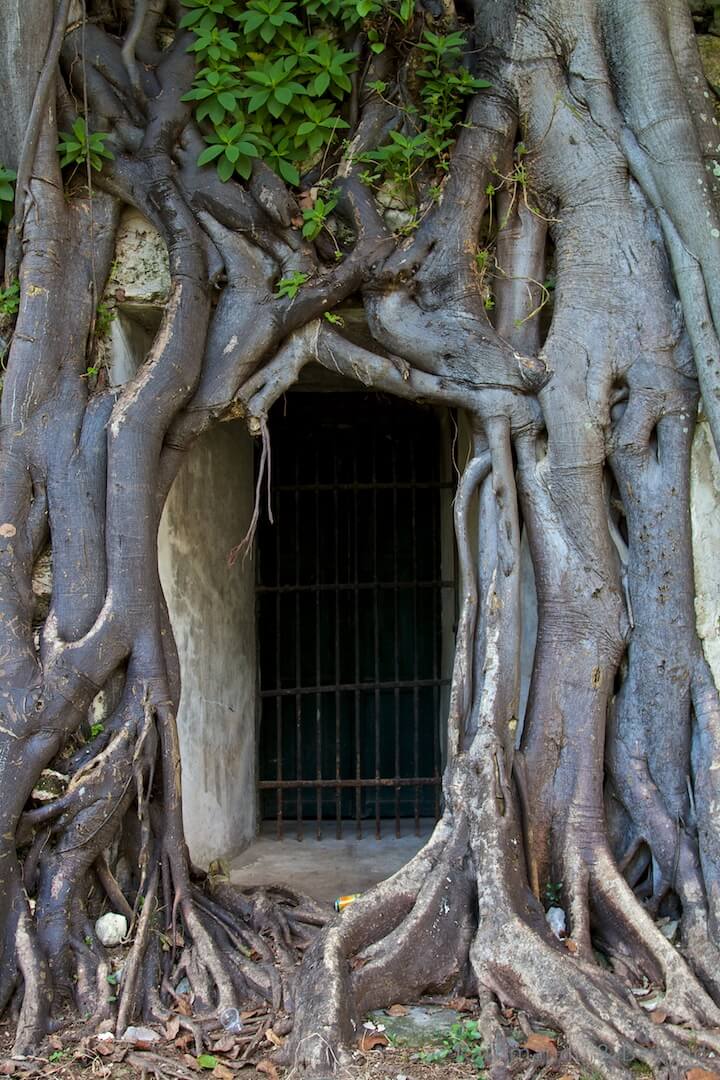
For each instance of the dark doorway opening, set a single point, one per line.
(349, 607)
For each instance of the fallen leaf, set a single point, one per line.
(222, 1072)
(172, 1028)
(540, 1044)
(104, 1049)
(399, 1010)
(570, 945)
(182, 1004)
(276, 1040)
(370, 1040)
(190, 1060)
(7, 1068)
(658, 1016)
(266, 1066)
(701, 1074)
(224, 1044)
(462, 1004)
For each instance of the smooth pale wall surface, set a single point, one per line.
(212, 610)
(705, 512)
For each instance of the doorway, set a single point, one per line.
(350, 600)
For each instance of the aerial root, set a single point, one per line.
(604, 1028)
(686, 1000)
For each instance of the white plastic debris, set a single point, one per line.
(111, 929)
(105, 1036)
(230, 1020)
(556, 920)
(140, 1035)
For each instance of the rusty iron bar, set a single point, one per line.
(369, 782)
(365, 731)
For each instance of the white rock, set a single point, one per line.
(111, 929)
(140, 1035)
(556, 920)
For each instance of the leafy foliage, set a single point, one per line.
(81, 145)
(10, 299)
(274, 76)
(316, 217)
(290, 286)
(462, 1044)
(104, 315)
(7, 192)
(274, 72)
(444, 85)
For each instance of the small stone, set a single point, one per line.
(556, 921)
(50, 785)
(140, 1036)
(669, 928)
(111, 929)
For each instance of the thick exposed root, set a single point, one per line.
(604, 1027)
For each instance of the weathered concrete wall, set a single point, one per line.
(212, 609)
(705, 510)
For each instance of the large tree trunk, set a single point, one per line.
(588, 152)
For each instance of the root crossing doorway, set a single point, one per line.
(350, 600)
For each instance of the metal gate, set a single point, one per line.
(349, 598)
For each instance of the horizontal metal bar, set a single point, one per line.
(351, 586)
(379, 781)
(409, 684)
(406, 485)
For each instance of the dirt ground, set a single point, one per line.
(183, 1050)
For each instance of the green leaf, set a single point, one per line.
(209, 154)
(244, 167)
(225, 169)
(288, 172)
(207, 1061)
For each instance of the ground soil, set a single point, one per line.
(74, 1053)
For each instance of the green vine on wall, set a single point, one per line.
(274, 77)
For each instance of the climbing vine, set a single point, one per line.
(275, 79)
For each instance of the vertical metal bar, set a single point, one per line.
(298, 659)
(318, 673)
(396, 636)
(436, 526)
(336, 533)
(358, 790)
(278, 675)
(416, 702)
(376, 634)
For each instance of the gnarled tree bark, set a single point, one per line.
(587, 153)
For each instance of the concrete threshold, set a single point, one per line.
(327, 868)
